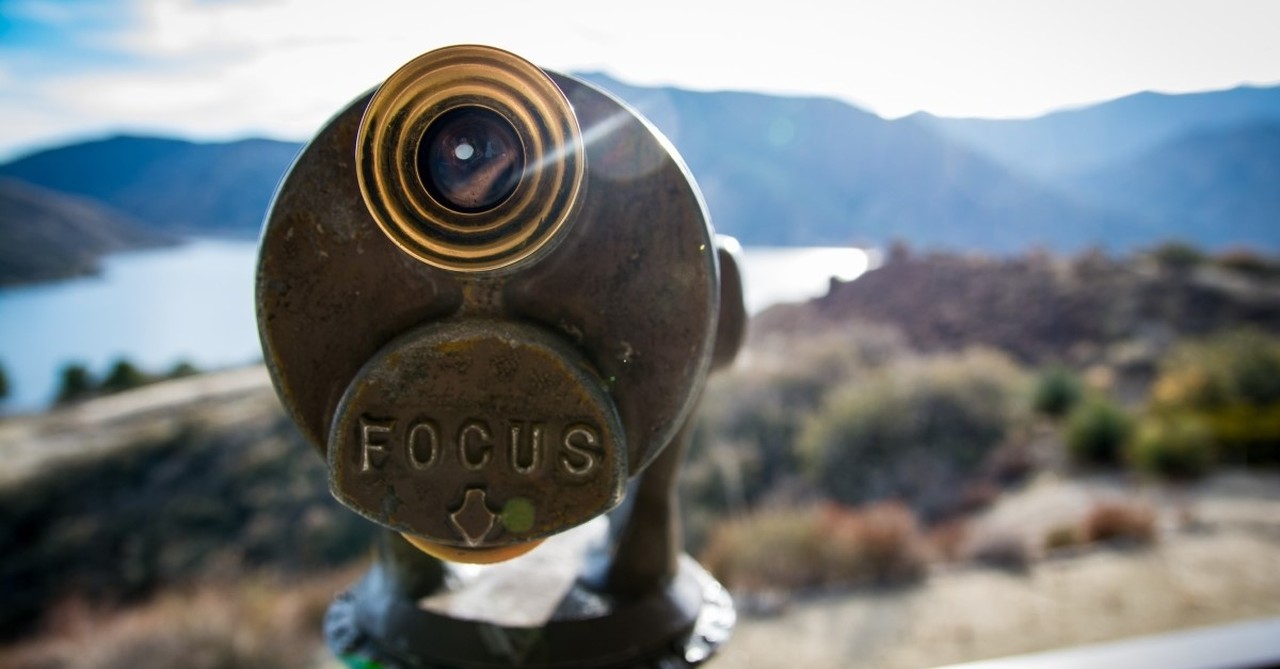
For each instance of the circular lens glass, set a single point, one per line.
(470, 159)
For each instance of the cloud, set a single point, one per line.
(223, 68)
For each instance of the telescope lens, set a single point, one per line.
(470, 159)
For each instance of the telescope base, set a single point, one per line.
(681, 625)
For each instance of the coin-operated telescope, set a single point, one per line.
(489, 296)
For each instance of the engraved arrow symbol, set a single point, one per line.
(473, 519)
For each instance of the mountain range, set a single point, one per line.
(777, 170)
(1212, 183)
(1075, 141)
(816, 171)
(178, 186)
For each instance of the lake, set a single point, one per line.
(195, 303)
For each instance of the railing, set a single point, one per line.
(1247, 645)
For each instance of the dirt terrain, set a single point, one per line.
(31, 442)
(113, 499)
(1214, 562)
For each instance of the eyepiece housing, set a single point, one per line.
(470, 159)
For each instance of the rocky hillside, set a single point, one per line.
(114, 498)
(1041, 308)
(46, 235)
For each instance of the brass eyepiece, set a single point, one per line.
(470, 159)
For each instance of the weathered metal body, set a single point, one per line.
(489, 295)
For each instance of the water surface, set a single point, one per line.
(195, 303)
(157, 307)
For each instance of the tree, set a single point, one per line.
(181, 369)
(4, 384)
(76, 383)
(123, 376)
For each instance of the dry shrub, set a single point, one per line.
(1121, 522)
(976, 496)
(1248, 261)
(757, 408)
(919, 430)
(999, 549)
(772, 548)
(881, 543)
(254, 624)
(1011, 463)
(1062, 536)
(823, 545)
(948, 539)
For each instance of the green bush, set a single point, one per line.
(1232, 367)
(75, 383)
(1177, 447)
(1249, 262)
(1177, 255)
(1057, 392)
(4, 384)
(181, 369)
(1097, 431)
(1230, 381)
(917, 430)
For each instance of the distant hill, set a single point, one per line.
(796, 171)
(815, 171)
(169, 184)
(1069, 142)
(775, 171)
(1081, 309)
(46, 235)
(1221, 184)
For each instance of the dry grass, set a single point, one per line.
(1062, 536)
(997, 549)
(257, 623)
(947, 539)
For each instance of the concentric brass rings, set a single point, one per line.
(517, 228)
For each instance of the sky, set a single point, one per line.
(222, 69)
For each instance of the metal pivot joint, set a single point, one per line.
(489, 296)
